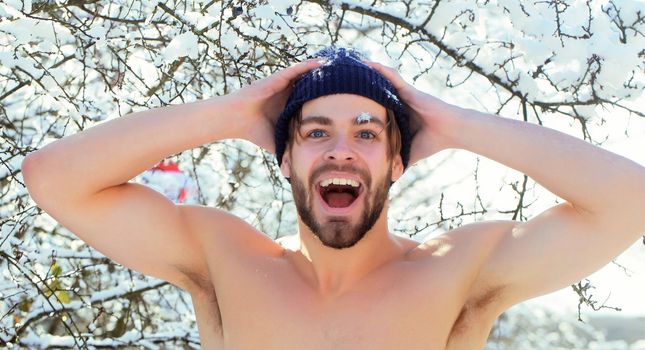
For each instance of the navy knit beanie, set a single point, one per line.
(343, 72)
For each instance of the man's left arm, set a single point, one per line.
(603, 215)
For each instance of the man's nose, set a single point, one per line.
(340, 150)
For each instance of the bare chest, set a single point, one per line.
(270, 307)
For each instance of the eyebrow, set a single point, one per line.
(323, 120)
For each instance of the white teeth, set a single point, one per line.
(339, 181)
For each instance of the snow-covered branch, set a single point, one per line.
(66, 65)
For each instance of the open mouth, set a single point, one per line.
(339, 193)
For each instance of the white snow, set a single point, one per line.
(111, 79)
(364, 117)
(185, 44)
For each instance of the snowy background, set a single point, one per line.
(576, 66)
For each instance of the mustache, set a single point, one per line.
(349, 168)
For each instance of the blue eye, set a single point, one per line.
(366, 135)
(316, 133)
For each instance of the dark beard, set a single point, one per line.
(338, 233)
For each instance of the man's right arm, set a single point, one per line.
(82, 182)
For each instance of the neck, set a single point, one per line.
(335, 271)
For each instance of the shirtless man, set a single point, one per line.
(345, 281)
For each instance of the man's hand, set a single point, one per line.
(257, 107)
(428, 115)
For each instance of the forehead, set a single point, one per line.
(343, 107)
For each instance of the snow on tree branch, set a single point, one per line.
(66, 65)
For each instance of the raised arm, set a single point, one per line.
(604, 194)
(602, 215)
(82, 180)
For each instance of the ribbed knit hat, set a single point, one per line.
(343, 73)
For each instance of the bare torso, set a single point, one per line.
(260, 300)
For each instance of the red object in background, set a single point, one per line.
(166, 178)
(168, 166)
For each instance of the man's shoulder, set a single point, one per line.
(477, 236)
(451, 262)
(207, 221)
(219, 230)
(465, 249)
(224, 240)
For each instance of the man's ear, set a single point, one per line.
(285, 167)
(397, 167)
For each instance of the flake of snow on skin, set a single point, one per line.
(182, 45)
(364, 118)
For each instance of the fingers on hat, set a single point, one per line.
(390, 73)
(296, 70)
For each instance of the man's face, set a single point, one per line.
(339, 169)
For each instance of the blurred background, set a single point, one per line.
(575, 66)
